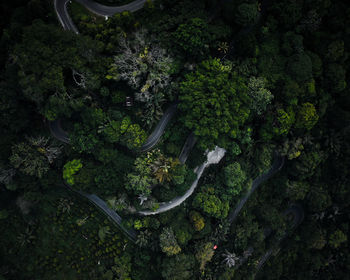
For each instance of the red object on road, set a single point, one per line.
(215, 246)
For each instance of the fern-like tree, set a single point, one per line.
(143, 238)
(230, 259)
(64, 205)
(34, 156)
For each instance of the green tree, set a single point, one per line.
(112, 131)
(337, 238)
(168, 242)
(278, 123)
(260, 97)
(336, 75)
(204, 253)
(210, 203)
(300, 67)
(307, 116)
(247, 14)
(193, 37)
(335, 51)
(42, 74)
(210, 94)
(145, 172)
(306, 165)
(297, 190)
(292, 43)
(71, 168)
(235, 178)
(288, 13)
(316, 64)
(3, 214)
(180, 267)
(197, 220)
(35, 156)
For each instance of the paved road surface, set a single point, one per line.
(166, 206)
(103, 10)
(58, 132)
(111, 214)
(276, 166)
(213, 157)
(298, 215)
(94, 199)
(63, 15)
(154, 138)
(186, 149)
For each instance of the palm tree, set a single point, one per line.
(81, 222)
(162, 167)
(230, 259)
(103, 232)
(26, 238)
(64, 205)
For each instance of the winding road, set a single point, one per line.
(153, 139)
(213, 157)
(96, 201)
(101, 10)
(58, 132)
(276, 166)
(298, 215)
(55, 126)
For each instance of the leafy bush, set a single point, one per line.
(71, 168)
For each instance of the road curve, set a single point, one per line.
(96, 201)
(166, 206)
(154, 138)
(58, 132)
(298, 215)
(63, 15)
(101, 10)
(213, 157)
(108, 11)
(101, 204)
(276, 166)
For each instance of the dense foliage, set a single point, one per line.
(268, 81)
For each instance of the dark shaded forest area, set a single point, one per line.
(184, 139)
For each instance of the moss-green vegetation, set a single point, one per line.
(263, 80)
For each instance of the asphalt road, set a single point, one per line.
(154, 138)
(298, 215)
(94, 199)
(276, 166)
(186, 149)
(63, 15)
(101, 10)
(58, 132)
(166, 206)
(101, 204)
